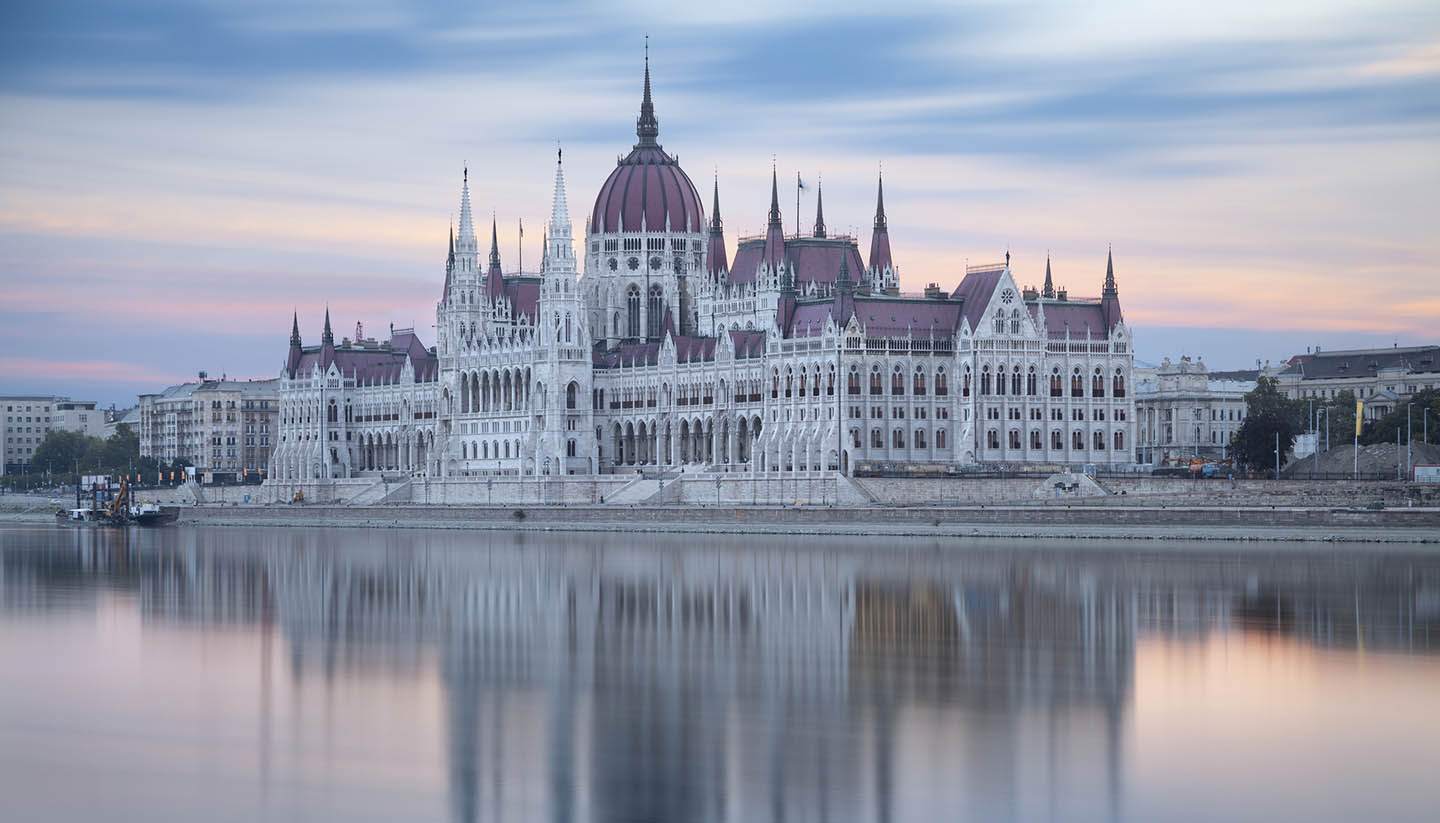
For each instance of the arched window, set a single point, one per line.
(942, 387)
(897, 438)
(788, 382)
(999, 379)
(1077, 384)
(1057, 389)
(830, 383)
(1119, 385)
(774, 383)
(984, 380)
(1031, 383)
(567, 327)
(1015, 381)
(876, 440)
(1000, 321)
(875, 385)
(852, 384)
(656, 311)
(1015, 323)
(632, 312)
(897, 382)
(1119, 440)
(1097, 384)
(940, 439)
(570, 392)
(1055, 440)
(1077, 441)
(1014, 438)
(919, 390)
(1099, 441)
(992, 439)
(919, 438)
(1035, 439)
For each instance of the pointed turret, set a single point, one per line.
(494, 278)
(882, 268)
(842, 280)
(327, 343)
(715, 257)
(819, 210)
(1110, 295)
(559, 245)
(449, 264)
(647, 126)
(292, 361)
(1049, 290)
(465, 247)
(774, 232)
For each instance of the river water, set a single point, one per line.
(224, 674)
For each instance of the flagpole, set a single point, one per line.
(520, 252)
(797, 203)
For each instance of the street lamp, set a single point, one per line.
(1409, 461)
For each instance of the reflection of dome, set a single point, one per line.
(647, 186)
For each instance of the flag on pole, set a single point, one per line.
(522, 228)
(800, 184)
(1359, 415)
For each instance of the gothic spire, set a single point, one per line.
(880, 224)
(843, 281)
(715, 225)
(1110, 290)
(467, 226)
(647, 127)
(327, 338)
(494, 245)
(819, 210)
(774, 198)
(450, 259)
(1049, 289)
(295, 330)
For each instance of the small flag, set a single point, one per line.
(800, 184)
(1359, 415)
(522, 228)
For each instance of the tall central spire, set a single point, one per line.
(1049, 288)
(494, 245)
(880, 205)
(559, 249)
(647, 127)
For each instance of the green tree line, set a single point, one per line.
(1269, 414)
(64, 455)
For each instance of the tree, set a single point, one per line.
(1268, 415)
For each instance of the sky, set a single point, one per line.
(177, 176)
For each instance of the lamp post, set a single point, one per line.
(1409, 429)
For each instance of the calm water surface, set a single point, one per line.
(290, 674)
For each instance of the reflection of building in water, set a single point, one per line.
(596, 680)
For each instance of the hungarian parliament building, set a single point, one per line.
(796, 354)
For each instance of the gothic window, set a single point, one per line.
(1099, 441)
(656, 311)
(1119, 440)
(940, 439)
(985, 380)
(919, 390)
(876, 387)
(774, 383)
(633, 263)
(1015, 323)
(1031, 384)
(919, 438)
(1000, 321)
(1097, 385)
(567, 327)
(1078, 440)
(569, 448)
(992, 439)
(614, 264)
(897, 438)
(1077, 385)
(570, 391)
(830, 383)
(852, 385)
(632, 309)
(942, 387)
(876, 440)
(788, 377)
(897, 382)
(1055, 441)
(655, 262)
(1119, 386)
(1014, 438)
(1035, 439)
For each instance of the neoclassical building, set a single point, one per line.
(799, 354)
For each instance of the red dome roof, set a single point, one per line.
(648, 184)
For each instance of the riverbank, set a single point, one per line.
(1419, 526)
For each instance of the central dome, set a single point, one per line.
(647, 188)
